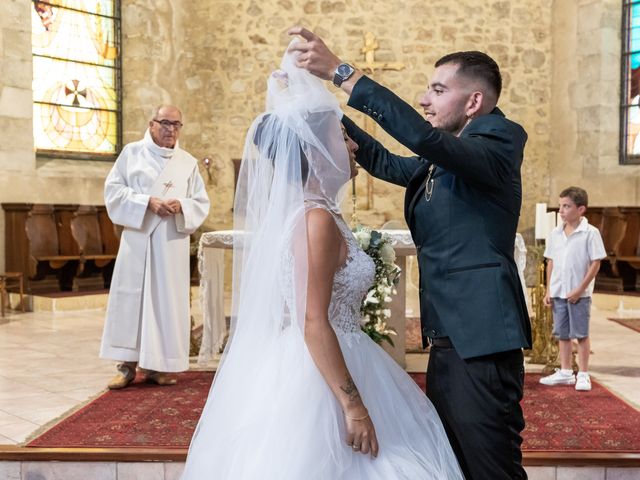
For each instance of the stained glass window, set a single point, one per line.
(630, 104)
(76, 78)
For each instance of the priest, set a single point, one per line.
(155, 192)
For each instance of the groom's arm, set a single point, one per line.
(377, 160)
(486, 155)
(489, 153)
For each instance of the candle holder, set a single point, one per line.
(207, 162)
(354, 198)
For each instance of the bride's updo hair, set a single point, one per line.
(265, 136)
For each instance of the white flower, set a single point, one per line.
(364, 238)
(380, 327)
(387, 299)
(387, 254)
(387, 313)
(371, 297)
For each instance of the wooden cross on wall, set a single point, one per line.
(369, 66)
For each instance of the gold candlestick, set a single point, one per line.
(354, 215)
(545, 347)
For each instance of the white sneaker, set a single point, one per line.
(583, 383)
(560, 377)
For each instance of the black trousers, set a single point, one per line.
(478, 400)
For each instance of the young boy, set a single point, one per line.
(574, 250)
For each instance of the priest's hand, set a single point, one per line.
(314, 55)
(175, 205)
(159, 207)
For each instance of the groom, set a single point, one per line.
(462, 204)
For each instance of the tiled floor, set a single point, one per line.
(49, 363)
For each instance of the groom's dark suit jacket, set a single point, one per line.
(469, 285)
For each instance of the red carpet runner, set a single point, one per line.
(142, 415)
(632, 323)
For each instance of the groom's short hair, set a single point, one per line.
(476, 66)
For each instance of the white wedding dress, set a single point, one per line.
(296, 429)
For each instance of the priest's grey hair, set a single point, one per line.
(156, 111)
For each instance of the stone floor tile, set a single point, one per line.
(69, 470)
(580, 473)
(7, 441)
(173, 470)
(623, 473)
(19, 431)
(10, 471)
(141, 471)
(541, 473)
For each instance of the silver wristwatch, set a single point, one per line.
(342, 73)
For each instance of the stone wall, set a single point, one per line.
(239, 43)
(17, 159)
(585, 104)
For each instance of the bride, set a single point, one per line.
(301, 391)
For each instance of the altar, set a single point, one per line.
(211, 264)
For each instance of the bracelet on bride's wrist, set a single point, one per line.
(357, 419)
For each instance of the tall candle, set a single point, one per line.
(541, 221)
(551, 219)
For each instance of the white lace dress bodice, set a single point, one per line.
(350, 285)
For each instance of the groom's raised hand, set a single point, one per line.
(315, 56)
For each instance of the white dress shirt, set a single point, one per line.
(572, 256)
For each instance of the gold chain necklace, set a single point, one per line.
(428, 184)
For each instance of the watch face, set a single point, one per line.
(344, 70)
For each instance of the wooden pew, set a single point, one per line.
(627, 254)
(44, 252)
(63, 214)
(60, 246)
(620, 234)
(85, 228)
(16, 248)
(109, 232)
(614, 225)
(629, 247)
(595, 216)
(87, 233)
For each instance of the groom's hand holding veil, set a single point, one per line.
(315, 56)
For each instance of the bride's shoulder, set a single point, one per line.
(322, 226)
(320, 217)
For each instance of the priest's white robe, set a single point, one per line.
(148, 318)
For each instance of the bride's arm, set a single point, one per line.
(324, 242)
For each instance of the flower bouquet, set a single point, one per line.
(374, 310)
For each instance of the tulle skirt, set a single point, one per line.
(273, 417)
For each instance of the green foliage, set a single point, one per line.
(375, 309)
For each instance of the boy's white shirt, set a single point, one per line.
(572, 255)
